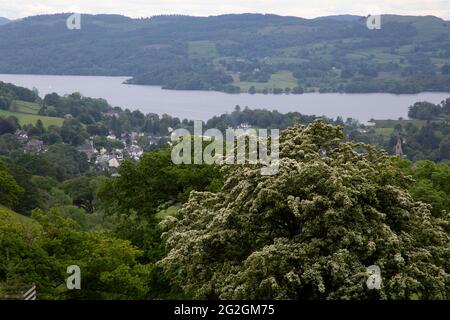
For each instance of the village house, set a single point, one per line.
(21, 135)
(135, 136)
(101, 163)
(126, 138)
(113, 163)
(134, 152)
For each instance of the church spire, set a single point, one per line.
(398, 146)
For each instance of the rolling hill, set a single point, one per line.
(236, 52)
(29, 118)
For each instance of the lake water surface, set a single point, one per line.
(202, 105)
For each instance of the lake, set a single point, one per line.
(202, 105)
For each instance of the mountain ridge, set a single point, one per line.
(4, 21)
(237, 52)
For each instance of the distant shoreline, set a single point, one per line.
(126, 78)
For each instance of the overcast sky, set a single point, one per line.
(303, 8)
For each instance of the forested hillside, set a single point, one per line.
(246, 52)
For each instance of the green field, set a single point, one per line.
(281, 80)
(392, 123)
(386, 127)
(202, 49)
(24, 107)
(26, 113)
(375, 55)
(385, 132)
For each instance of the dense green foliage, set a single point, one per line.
(40, 251)
(422, 141)
(237, 52)
(9, 189)
(9, 92)
(429, 111)
(259, 118)
(145, 188)
(432, 184)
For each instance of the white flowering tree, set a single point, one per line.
(312, 230)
